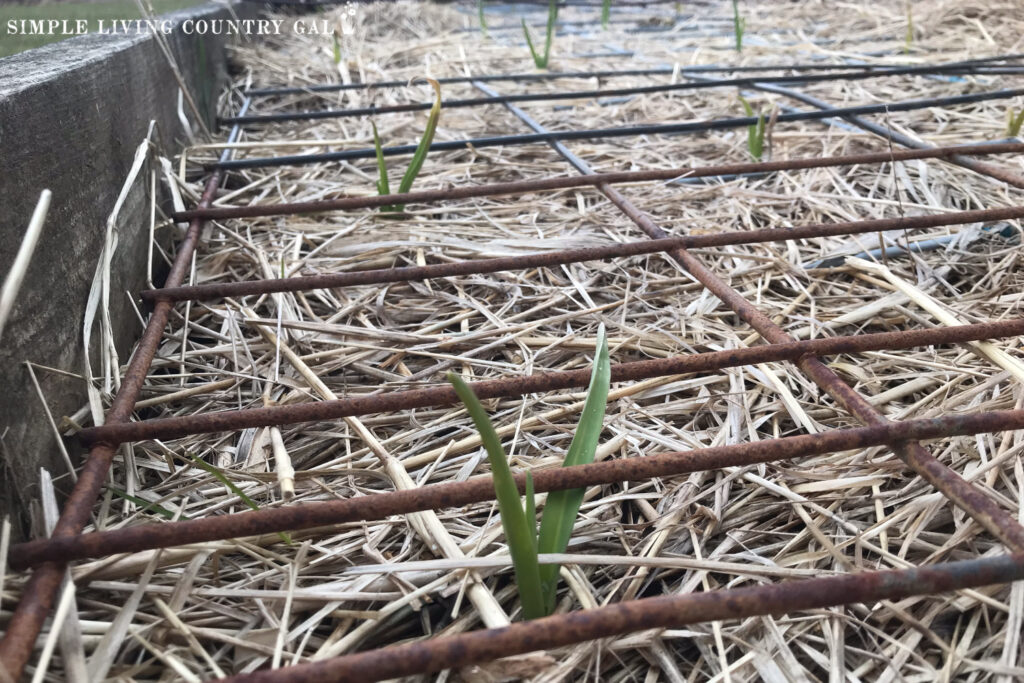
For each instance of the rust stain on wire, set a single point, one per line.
(549, 184)
(435, 497)
(554, 258)
(670, 611)
(174, 427)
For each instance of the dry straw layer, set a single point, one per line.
(229, 607)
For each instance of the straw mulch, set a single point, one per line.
(236, 606)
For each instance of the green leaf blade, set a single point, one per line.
(552, 19)
(222, 478)
(383, 188)
(146, 505)
(518, 529)
(738, 25)
(562, 506)
(420, 156)
(537, 60)
(531, 509)
(1014, 124)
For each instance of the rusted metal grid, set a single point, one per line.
(49, 557)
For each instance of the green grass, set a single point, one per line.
(11, 44)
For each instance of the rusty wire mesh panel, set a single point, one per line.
(308, 340)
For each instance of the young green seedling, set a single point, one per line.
(541, 60)
(520, 530)
(146, 505)
(483, 19)
(383, 187)
(538, 584)
(337, 49)
(739, 24)
(222, 478)
(606, 13)
(908, 40)
(755, 132)
(1014, 121)
(562, 506)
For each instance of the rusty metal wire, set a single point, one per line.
(553, 258)
(380, 506)
(173, 427)
(885, 132)
(955, 488)
(50, 556)
(669, 611)
(561, 183)
(39, 593)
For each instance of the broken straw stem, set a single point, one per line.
(20, 266)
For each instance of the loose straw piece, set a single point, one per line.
(986, 349)
(12, 283)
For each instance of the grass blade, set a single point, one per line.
(537, 60)
(606, 13)
(383, 188)
(146, 505)
(222, 478)
(552, 18)
(757, 144)
(738, 25)
(755, 132)
(428, 137)
(908, 40)
(746, 106)
(337, 49)
(483, 19)
(562, 506)
(1013, 125)
(518, 529)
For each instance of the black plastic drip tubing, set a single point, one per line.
(654, 71)
(622, 131)
(854, 75)
(885, 133)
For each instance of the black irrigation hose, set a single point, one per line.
(654, 129)
(900, 139)
(855, 75)
(659, 71)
